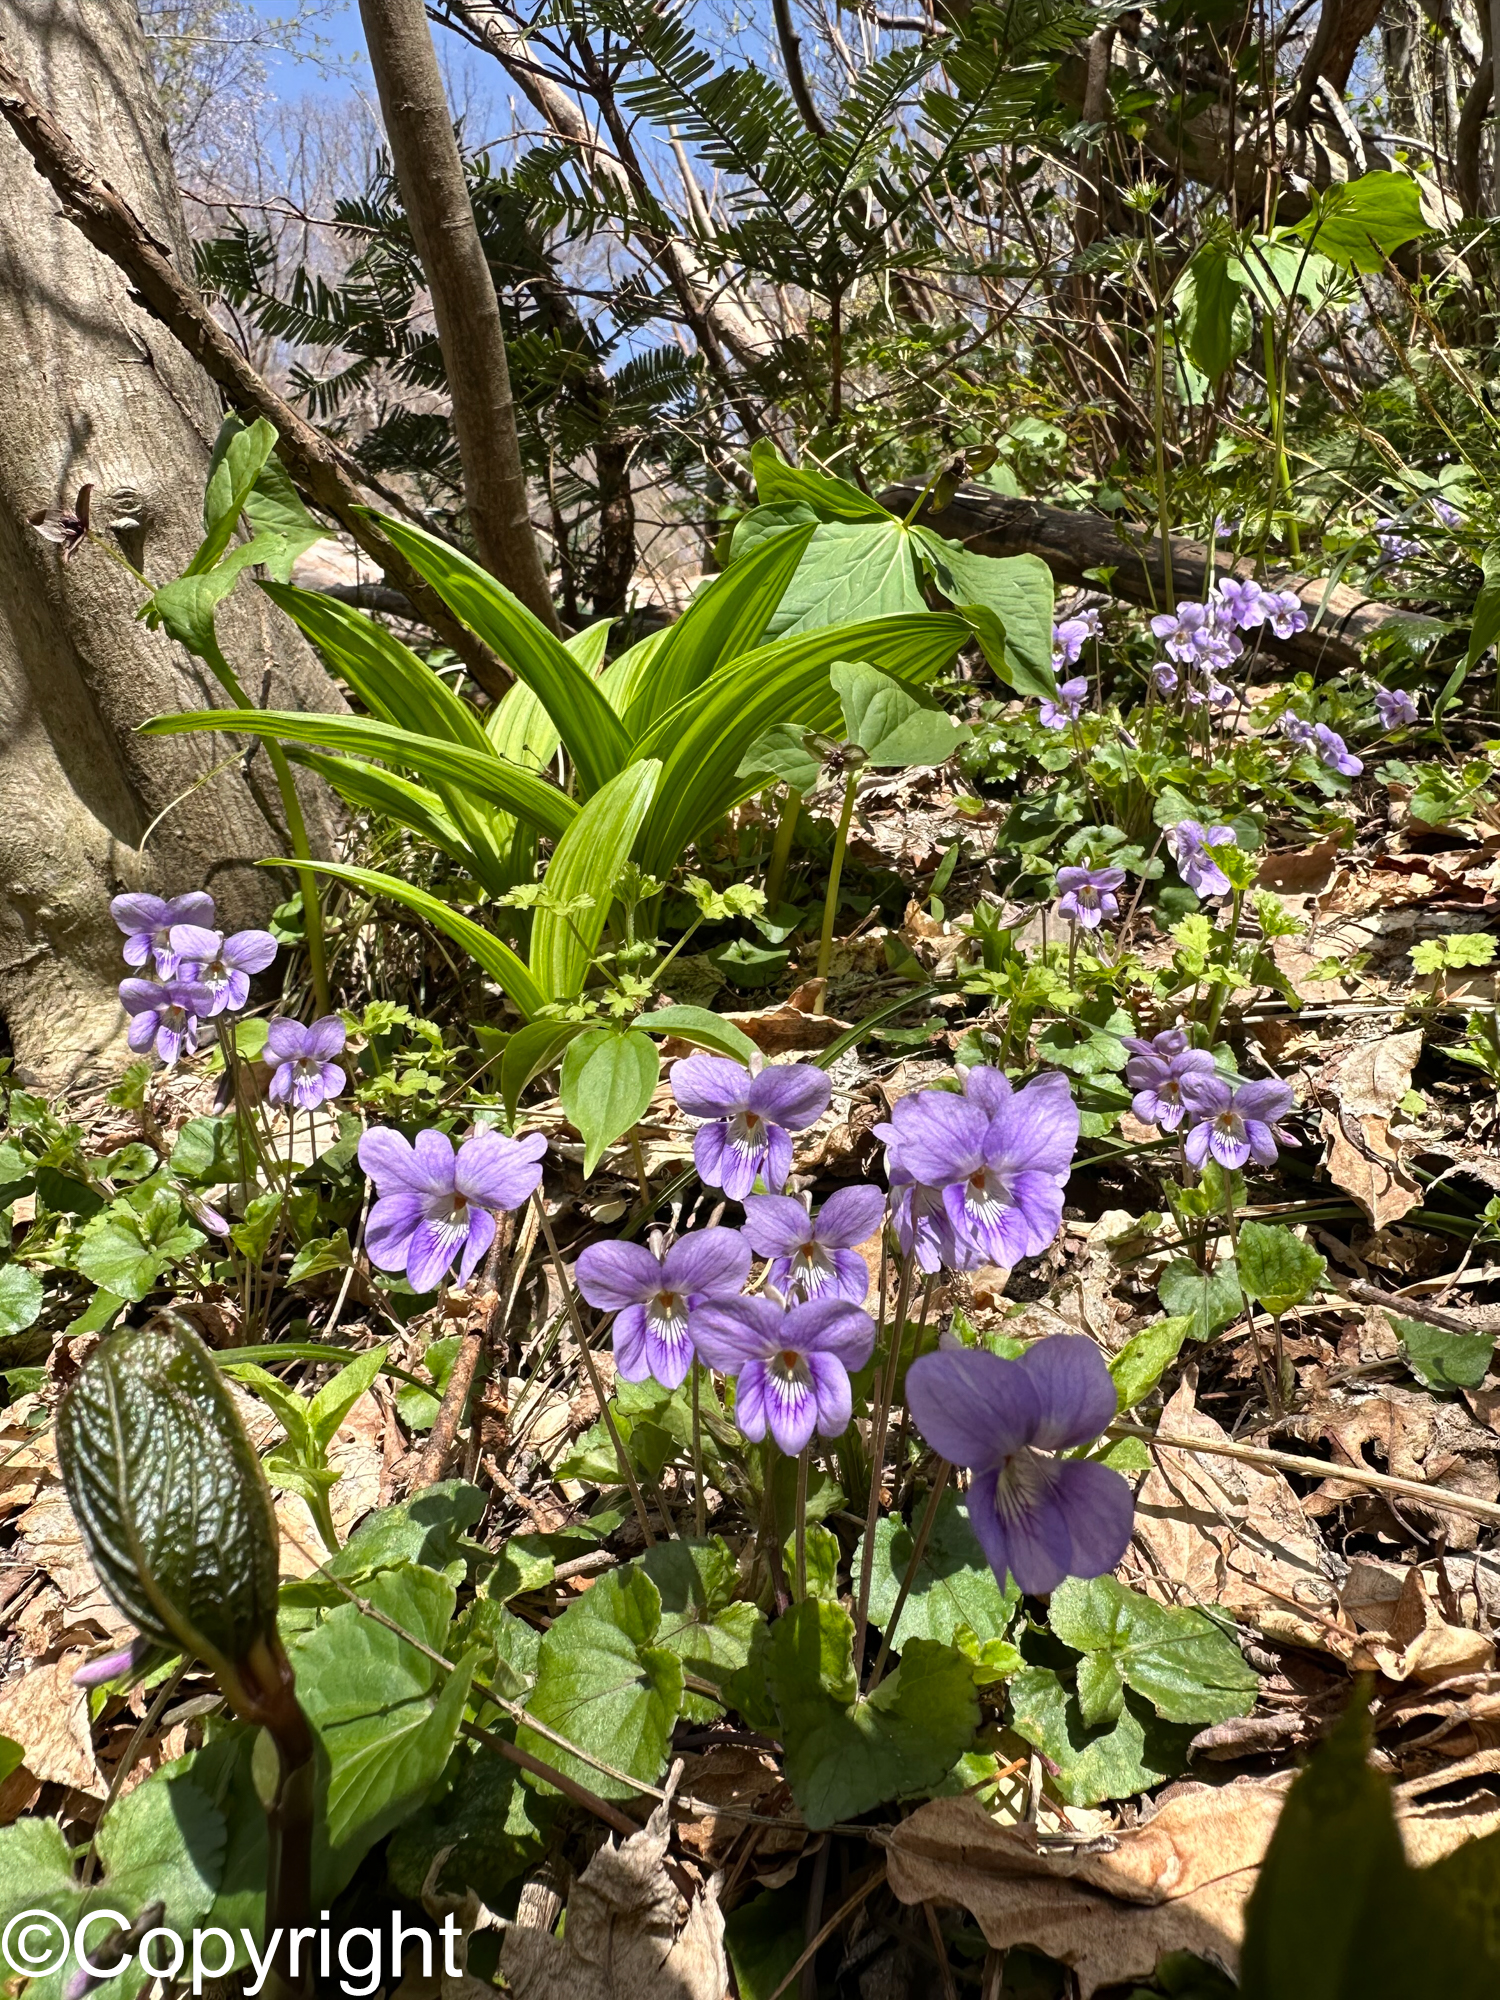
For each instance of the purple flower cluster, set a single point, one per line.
(1070, 637)
(1228, 1121)
(198, 971)
(1191, 846)
(1205, 634)
(979, 1178)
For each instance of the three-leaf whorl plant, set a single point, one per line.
(175, 1512)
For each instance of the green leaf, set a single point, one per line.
(487, 1829)
(830, 499)
(384, 1716)
(489, 952)
(1113, 1760)
(127, 1246)
(169, 1495)
(426, 1530)
(1214, 323)
(1210, 1300)
(1278, 1268)
(781, 752)
(1357, 224)
(605, 1684)
(727, 616)
(238, 457)
(595, 738)
(607, 1081)
(276, 512)
(20, 1298)
(700, 1622)
(1484, 629)
(702, 1027)
(211, 1152)
(1185, 1665)
(452, 766)
(852, 569)
(1145, 1358)
(954, 1585)
(587, 862)
(1441, 1360)
(1009, 602)
(529, 1052)
(892, 727)
(844, 1756)
(337, 1398)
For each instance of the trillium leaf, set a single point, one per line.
(893, 728)
(607, 1081)
(954, 1585)
(1184, 1664)
(702, 1027)
(1278, 1268)
(1009, 602)
(844, 1755)
(1114, 1760)
(605, 1684)
(851, 569)
(1357, 224)
(781, 752)
(1209, 1299)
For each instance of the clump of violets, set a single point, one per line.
(1234, 1123)
(1088, 895)
(1190, 844)
(749, 1119)
(998, 1157)
(164, 1015)
(1157, 1072)
(1334, 752)
(437, 1205)
(1071, 696)
(791, 1364)
(1038, 1516)
(815, 1256)
(223, 964)
(1395, 548)
(305, 1073)
(147, 922)
(654, 1293)
(1397, 709)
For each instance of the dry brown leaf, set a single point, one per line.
(728, 1775)
(1372, 1080)
(1178, 1883)
(1411, 1639)
(1363, 1160)
(629, 1934)
(1300, 871)
(49, 1718)
(1218, 1532)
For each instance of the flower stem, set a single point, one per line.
(781, 849)
(586, 1355)
(914, 1563)
(802, 1523)
(881, 1418)
(700, 1499)
(831, 899)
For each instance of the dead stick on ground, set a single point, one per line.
(1440, 1497)
(816, 1945)
(1476, 1320)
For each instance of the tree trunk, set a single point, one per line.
(93, 390)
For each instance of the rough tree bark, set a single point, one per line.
(419, 126)
(92, 389)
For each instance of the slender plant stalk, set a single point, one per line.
(886, 1390)
(919, 1549)
(781, 848)
(700, 1498)
(640, 1170)
(831, 899)
(802, 1523)
(586, 1354)
(265, 1691)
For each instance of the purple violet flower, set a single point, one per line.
(920, 1221)
(1397, 709)
(1296, 731)
(1068, 706)
(791, 1363)
(1334, 752)
(1235, 1124)
(147, 923)
(1157, 1081)
(1088, 895)
(1243, 601)
(1037, 1517)
(1285, 613)
(653, 1297)
(1001, 1157)
(750, 1118)
(1395, 549)
(222, 964)
(435, 1204)
(1178, 630)
(1068, 640)
(1444, 512)
(811, 1257)
(1190, 843)
(1168, 1043)
(1164, 677)
(306, 1074)
(111, 1666)
(164, 1016)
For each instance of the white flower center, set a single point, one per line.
(789, 1378)
(666, 1314)
(1024, 1480)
